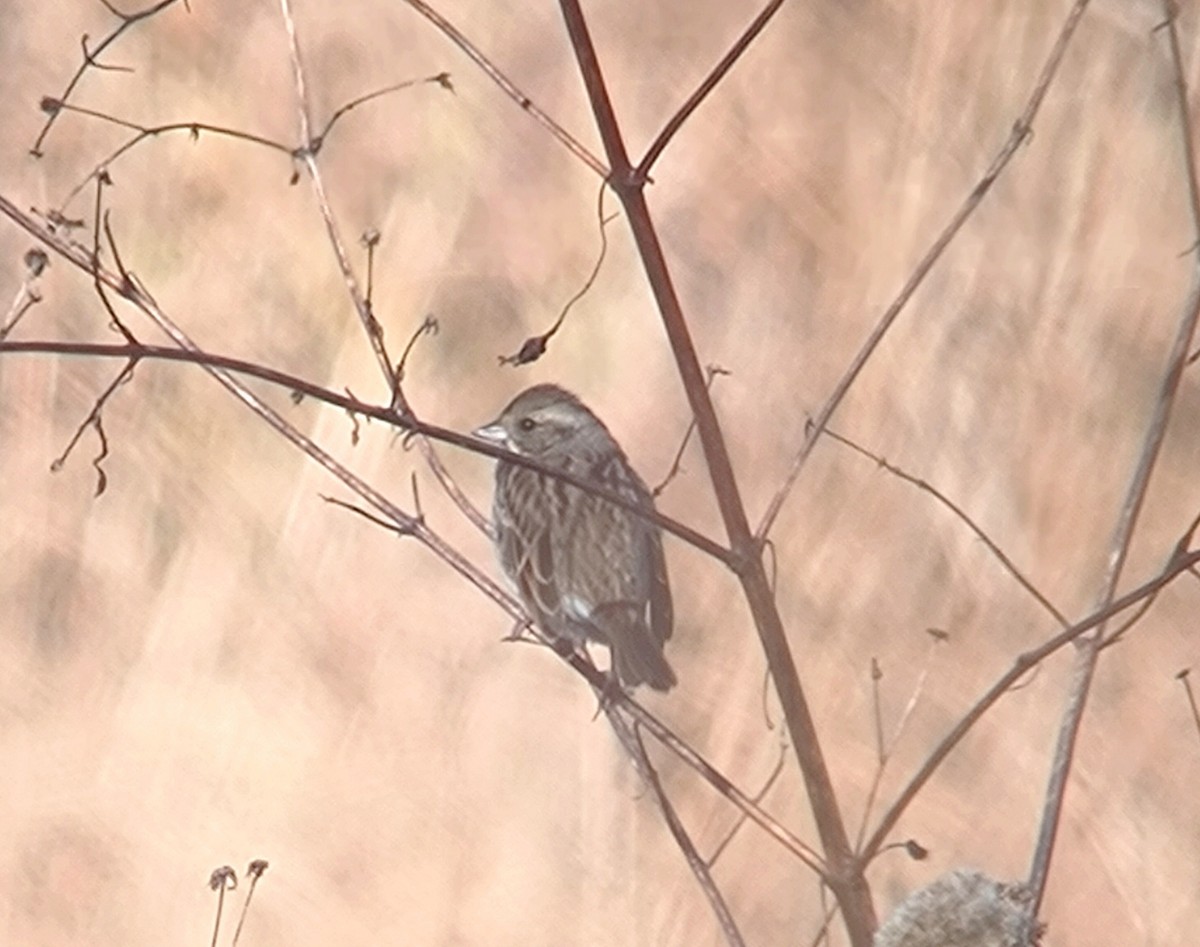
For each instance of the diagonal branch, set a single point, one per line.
(844, 877)
(757, 25)
(1021, 130)
(307, 155)
(1181, 561)
(84, 260)
(91, 57)
(699, 867)
(492, 71)
(385, 413)
(993, 547)
(1127, 519)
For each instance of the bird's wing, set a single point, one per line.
(638, 568)
(662, 612)
(525, 546)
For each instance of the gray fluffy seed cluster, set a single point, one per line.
(963, 908)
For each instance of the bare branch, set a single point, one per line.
(757, 25)
(254, 871)
(144, 132)
(221, 880)
(688, 754)
(441, 79)
(28, 294)
(711, 371)
(888, 746)
(1088, 654)
(362, 305)
(993, 547)
(1180, 562)
(772, 777)
(843, 874)
(493, 72)
(400, 403)
(379, 412)
(307, 156)
(194, 128)
(534, 347)
(1182, 677)
(716, 900)
(1021, 130)
(128, 21)
(95, 421)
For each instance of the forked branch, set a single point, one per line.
(844, 877)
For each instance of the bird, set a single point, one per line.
(584, 568)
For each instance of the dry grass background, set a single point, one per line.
(208, 664)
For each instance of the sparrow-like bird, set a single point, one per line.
(586, 569)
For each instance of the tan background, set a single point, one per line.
(209, 665)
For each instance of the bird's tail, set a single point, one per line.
(637, 657)
(643, 665)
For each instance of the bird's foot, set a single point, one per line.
(608, 694)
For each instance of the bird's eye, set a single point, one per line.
(527, 424)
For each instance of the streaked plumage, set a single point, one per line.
(584, 568)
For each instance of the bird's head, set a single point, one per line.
(549, 424)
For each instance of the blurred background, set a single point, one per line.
(209, 664)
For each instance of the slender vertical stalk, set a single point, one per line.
(845, 876)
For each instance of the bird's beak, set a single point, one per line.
(493, 432)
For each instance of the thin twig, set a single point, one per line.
(534, 347)
(1179, 563)
(253, 872)
(1009, 566)
(493, 72)
(307, 155)
(1182, 677)
(95, 421)
(1116, 636)
(843, 874)
(222, 879)
(711, 371)
(447, 482)
(1021, 130)
(441, 79)
(887, 747)
(1127, 519)
(145, 132)
(772, 777)
(877, 715)
(757, 25)
(822, 934)
(90, 57)
(429, 326)
(703, 876)
(95, 418)
(28, 294)
(194, 129)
